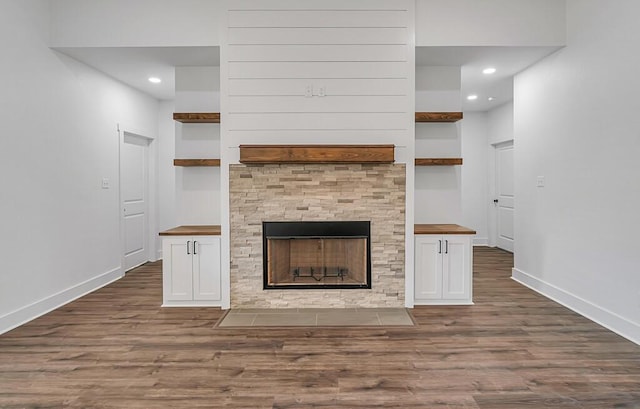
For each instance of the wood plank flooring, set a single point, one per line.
(117, 348)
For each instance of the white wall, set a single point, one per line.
(438, 89)
(500, 123)
(438, 189)
(577, 124)
(490, 22)
(128, 23)
(474, 184)
(60, 229)
(166, 199)
(135, 23)
(197, 189)
(278, 49)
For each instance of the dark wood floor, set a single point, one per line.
(116, 348)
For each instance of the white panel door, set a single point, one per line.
(505, 196)
(456, 268)
(133, 188)
(206, 268)
(428, 267)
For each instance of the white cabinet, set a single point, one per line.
(443, 269)
(191, 271)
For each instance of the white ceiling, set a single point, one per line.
(134, 65)
(508, 61)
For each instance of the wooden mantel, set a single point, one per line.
(263, 154)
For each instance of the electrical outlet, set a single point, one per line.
(322, 91)
(105, 183)
(308, 91)
(540, 181)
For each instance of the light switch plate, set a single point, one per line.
(540, 181)
(105, 183)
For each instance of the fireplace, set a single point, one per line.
(317, 192)
(316, 255)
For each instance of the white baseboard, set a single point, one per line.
(610, 320)
(32, 311)
(481, 241)
(192, 304)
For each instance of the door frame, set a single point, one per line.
(150, 190)
(493, 190)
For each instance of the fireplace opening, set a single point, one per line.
(304, 255)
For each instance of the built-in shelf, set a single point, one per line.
(438, 116)
(196, 162)
(441, 229)
(197, 117)
(199, 230)
(438, 161)
(262, 154)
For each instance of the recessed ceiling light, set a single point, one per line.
(155, 80)
(491, 98)
(472, 97)
(489, 70)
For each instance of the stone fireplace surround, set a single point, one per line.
(317, 192)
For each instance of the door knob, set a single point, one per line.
(495, 200)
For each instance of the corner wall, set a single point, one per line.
(499, 130)
(166, 186)
(576, 123)
(474, 183)
(60, 229)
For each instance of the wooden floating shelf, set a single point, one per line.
(196, 162)
(438, 161)
(263, 154)
(197, 117)
(438, 116)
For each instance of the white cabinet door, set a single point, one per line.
(206, 268)
(456, 268)
(177, 269)
(428, 267)
(506, 196)
(443, 269)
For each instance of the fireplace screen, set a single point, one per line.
(316, 255)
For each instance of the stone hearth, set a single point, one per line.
(317, 192)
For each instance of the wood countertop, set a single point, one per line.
(441, 229)
(214, 230)
(211, 230)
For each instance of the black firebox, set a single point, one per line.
(316, 255)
